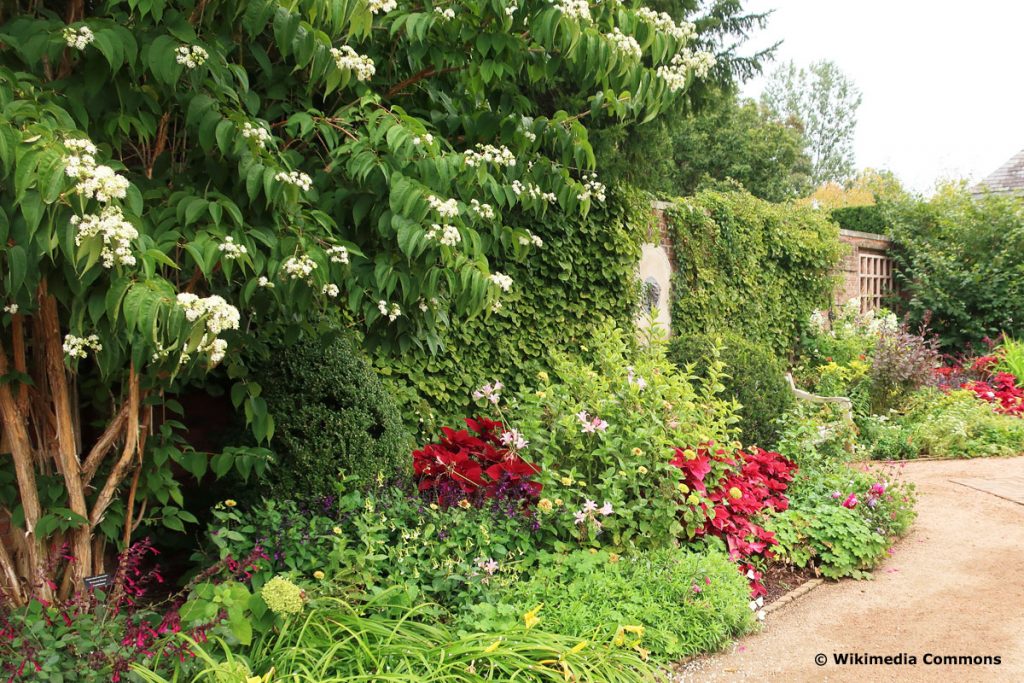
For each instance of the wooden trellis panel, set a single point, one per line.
(875, 280)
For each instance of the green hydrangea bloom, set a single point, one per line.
(282, 596)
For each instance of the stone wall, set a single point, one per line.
(859, 243)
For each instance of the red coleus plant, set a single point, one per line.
(755, 481)
(475, 465)
(1002, 390)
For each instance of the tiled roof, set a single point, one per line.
(1008, 178)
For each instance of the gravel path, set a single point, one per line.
(953, 586)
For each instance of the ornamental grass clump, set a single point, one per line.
(336, 642)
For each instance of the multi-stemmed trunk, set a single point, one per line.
(40, 430)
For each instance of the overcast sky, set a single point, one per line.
(941, 80)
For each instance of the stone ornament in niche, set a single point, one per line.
(651, 295)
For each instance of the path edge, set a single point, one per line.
(798, 592)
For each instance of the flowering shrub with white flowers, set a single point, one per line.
(280, 157)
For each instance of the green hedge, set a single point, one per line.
(584, 273)
(861, 218)
(750, 266)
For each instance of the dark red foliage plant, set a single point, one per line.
(755, 482)
(476, 465)
(1002, 390)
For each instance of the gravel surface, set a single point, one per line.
(954, 586)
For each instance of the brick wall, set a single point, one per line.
(849, 268)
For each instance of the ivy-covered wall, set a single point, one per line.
(585, 272)
(749, 266)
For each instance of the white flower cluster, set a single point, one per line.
(511, 8)
(450, 235)
(348, 59)
(338, 254)
(663, 22)
(94, 180)
(446, 208)
(231, 249)
(687, 60)
(489, 154)
(392, 311)
(819, 320)
(191, 56)
(111, 227)
(627, 45)
(265, 282)
(592, 189)
(331, 290)
(424, 139)
(77, 347)
(296, 178)
(257, 133)
(447, 14)
(222, 315)
(11, 308)
(577, 9)
(422, 305)
(485, 211)
(379, 6)
(530, 238)
(78, 39)
(530, 135)
(503, 281)
(299, 267)
(533, 191)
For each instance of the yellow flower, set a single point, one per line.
(613, 557)
(543, 376)
(566, 481)
(735, 493)
(637, 452)
(530, 618)
(464, 504)
(582, 483)
(644, 654)
(318, 575)
(337, 530)
(545, 505)
(683, 488)
(230, 503)
(433, 506)
(541, 394)
(593, 551)
(642, 470)
(493, 646)
(689, 454)
(559, 502)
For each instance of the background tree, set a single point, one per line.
(825, 102)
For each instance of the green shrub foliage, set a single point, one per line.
(670, 601)
(584, 274)
(861, 218)
(959, 262)
(747, 265)
(332, 414)
(754, 377)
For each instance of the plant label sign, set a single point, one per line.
(98, 581)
